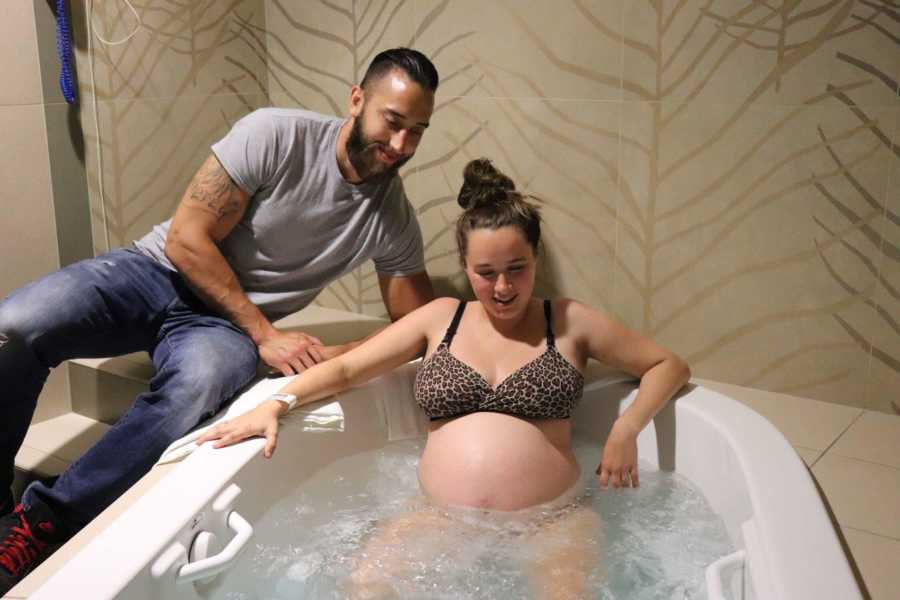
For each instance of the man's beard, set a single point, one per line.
(361, 153)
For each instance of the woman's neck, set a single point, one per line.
(510, 328)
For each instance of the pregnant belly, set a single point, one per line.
(496, 461)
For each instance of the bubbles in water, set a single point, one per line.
(362, 519)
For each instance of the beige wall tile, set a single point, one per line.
(181, 49)
(680, 51)
(775, 53)
(877, 558)
(804, 422)
(150, 151)
(861, 50)
(863, 495)
(316, 55)
(741, 265)
(92, 151)
(69, 182)
(882, 386)
(18, 47)
(874, 437)
(524, 49)
(28, 230)
(883, 383)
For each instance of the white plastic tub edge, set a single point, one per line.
(749, 473)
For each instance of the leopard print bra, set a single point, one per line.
(547, 387)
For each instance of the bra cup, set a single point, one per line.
(547, 387)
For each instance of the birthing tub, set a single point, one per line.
(193, 524)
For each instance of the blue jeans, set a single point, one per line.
(116, 303)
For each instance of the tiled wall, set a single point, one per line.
(718, 174)
(721, 175)
(38, 168)
(190, 70)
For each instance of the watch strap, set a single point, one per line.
(289, 399)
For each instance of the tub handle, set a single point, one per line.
(209, 567)
(714, 573)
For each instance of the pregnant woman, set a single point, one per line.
(499, 381)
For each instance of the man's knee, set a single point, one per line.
(14, 318)
(16, 355)
(24, 340)
(26, 314)
(11, 341)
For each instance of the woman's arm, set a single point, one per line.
(662, 373)
(394, 345)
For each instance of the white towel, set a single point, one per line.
(329, 417)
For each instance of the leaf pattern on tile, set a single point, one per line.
(156, 97)
(872, 217)
(748, 222)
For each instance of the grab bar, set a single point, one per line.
(208, 567)
(714, 573)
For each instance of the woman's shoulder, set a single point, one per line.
(428, 320)
(439, 308)
(564, 306)
(444, 303)
(574, 315)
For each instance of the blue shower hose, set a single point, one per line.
(64, 50)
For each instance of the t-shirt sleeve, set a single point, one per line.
(403, 252)
(250, 152)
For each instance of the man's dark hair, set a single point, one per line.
(412, 62)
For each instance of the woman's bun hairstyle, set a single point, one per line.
(483, 184)
(490, 201)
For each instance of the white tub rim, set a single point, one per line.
(765, 457)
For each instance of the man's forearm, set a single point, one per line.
(211, 277)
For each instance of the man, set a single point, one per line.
(288, 202)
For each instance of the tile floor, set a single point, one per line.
(853, 454)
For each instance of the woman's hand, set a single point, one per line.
(619, 463)
(261, 421)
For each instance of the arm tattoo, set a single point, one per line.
(213, 191)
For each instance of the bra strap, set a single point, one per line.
(451, 331)
(548, 315)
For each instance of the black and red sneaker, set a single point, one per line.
(7, 505)
(27, 537)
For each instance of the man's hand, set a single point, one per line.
(292, 352)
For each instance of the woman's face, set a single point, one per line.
(500, 265)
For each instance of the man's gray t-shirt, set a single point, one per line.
(305, 225)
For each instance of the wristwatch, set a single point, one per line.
(289, 399)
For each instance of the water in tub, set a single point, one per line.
(359, 529)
